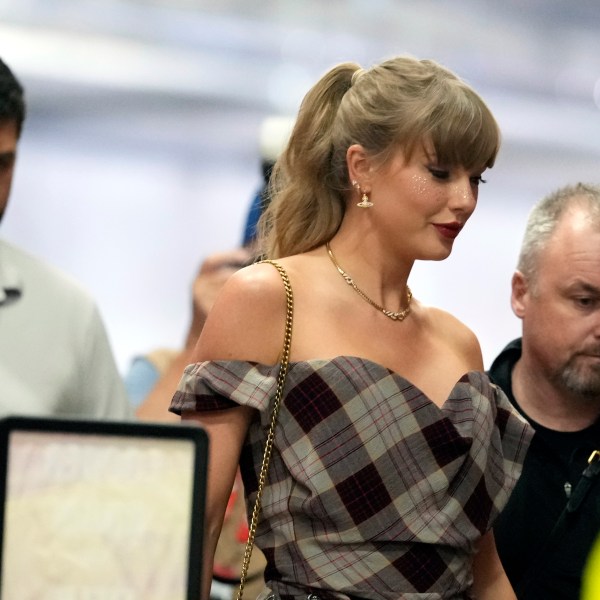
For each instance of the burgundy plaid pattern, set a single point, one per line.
(373, 490)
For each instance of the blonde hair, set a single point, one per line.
(397, 104)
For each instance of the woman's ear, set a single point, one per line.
(359, 166)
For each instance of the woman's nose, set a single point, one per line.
(463, 195)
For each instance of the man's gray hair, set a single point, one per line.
(545, 216)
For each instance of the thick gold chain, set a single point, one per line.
(395, 316)
(285, 361)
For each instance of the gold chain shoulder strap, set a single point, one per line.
(285, 360)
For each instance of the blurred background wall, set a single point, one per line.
(140, 151)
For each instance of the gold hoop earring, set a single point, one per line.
(364, 201)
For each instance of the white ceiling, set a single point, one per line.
(195, 74)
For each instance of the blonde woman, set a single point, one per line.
(393, 453)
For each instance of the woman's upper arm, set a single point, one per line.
(245, 323)
(226, 430)
(247, 319)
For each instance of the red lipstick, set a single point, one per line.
(448, 230)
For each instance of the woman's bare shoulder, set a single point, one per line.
(460, 337)
(247, 319)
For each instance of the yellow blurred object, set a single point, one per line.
(590, 589)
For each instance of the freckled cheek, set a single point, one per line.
(419, 184)
(421, 187)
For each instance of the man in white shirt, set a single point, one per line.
(55, 357)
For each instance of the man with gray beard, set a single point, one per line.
(552, 376)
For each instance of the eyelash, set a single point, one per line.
(439, 174)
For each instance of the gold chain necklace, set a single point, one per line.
(395, 316)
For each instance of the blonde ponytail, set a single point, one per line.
(307, 203)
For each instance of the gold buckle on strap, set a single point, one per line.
(594, 457)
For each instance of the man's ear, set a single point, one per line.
(520, 290)
(359, 167)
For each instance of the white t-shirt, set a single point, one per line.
(55, 357)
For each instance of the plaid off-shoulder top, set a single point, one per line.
(373, 490)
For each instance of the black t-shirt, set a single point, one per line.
(552, 469)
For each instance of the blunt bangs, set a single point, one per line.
(464, 132)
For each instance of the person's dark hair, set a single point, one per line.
(12, 100)
(397, 104)
(545, 216)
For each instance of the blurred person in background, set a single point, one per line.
(152, 377)
(55, 357)
(552, 376)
